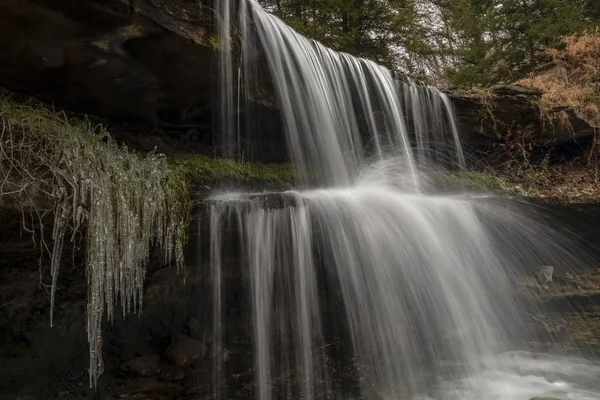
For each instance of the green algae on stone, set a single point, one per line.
(203, 169)
(544, 398)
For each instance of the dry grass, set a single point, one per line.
(573, 80)
(569, 183)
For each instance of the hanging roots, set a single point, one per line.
(123, 203)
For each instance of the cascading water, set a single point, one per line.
(338, 110)
(226, 123)
(364, 286)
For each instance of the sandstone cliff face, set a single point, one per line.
(496, 114)
(150, 66)
(148, 60)
(146, 67)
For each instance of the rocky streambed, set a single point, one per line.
(167, 352)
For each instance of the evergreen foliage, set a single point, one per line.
(457, 42)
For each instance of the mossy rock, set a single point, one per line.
(206, 170)
(544, 398)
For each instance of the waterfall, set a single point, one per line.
(415, 288)
(339, 111)
(361, 285)
(226, 121)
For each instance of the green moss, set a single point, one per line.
(214, 42)
(544, 398)
(202, 169)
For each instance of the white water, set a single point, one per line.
(417, 285)
(226, 125)
(338, 110)
(414, 289)
(523, 375)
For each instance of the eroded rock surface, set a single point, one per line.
(184, 351)
(505, 112)
(147, 60)
(146, 67)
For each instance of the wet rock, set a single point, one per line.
(217, 351)
(488, 115)
(544, 275)
(148, 65)
(544, 398)
(94, 51)
(147, 389)
(514, 90)
(184, 350)
(268, 201)
(549, 326)
(194, 328)
(165, 288)
(569, 276)
(141, 366)
(528, 282)
(171, 373)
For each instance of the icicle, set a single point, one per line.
(130, 204)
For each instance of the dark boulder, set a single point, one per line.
(148, 60)
(142, 366)
(184, 351)
(146, 67)
(491, 115)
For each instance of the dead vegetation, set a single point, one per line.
(571, 81)
(569, 90)
(567, 183)
(543, 173)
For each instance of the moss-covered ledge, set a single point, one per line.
(204, 171)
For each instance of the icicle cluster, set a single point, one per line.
(129, 204)
(124, 204)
